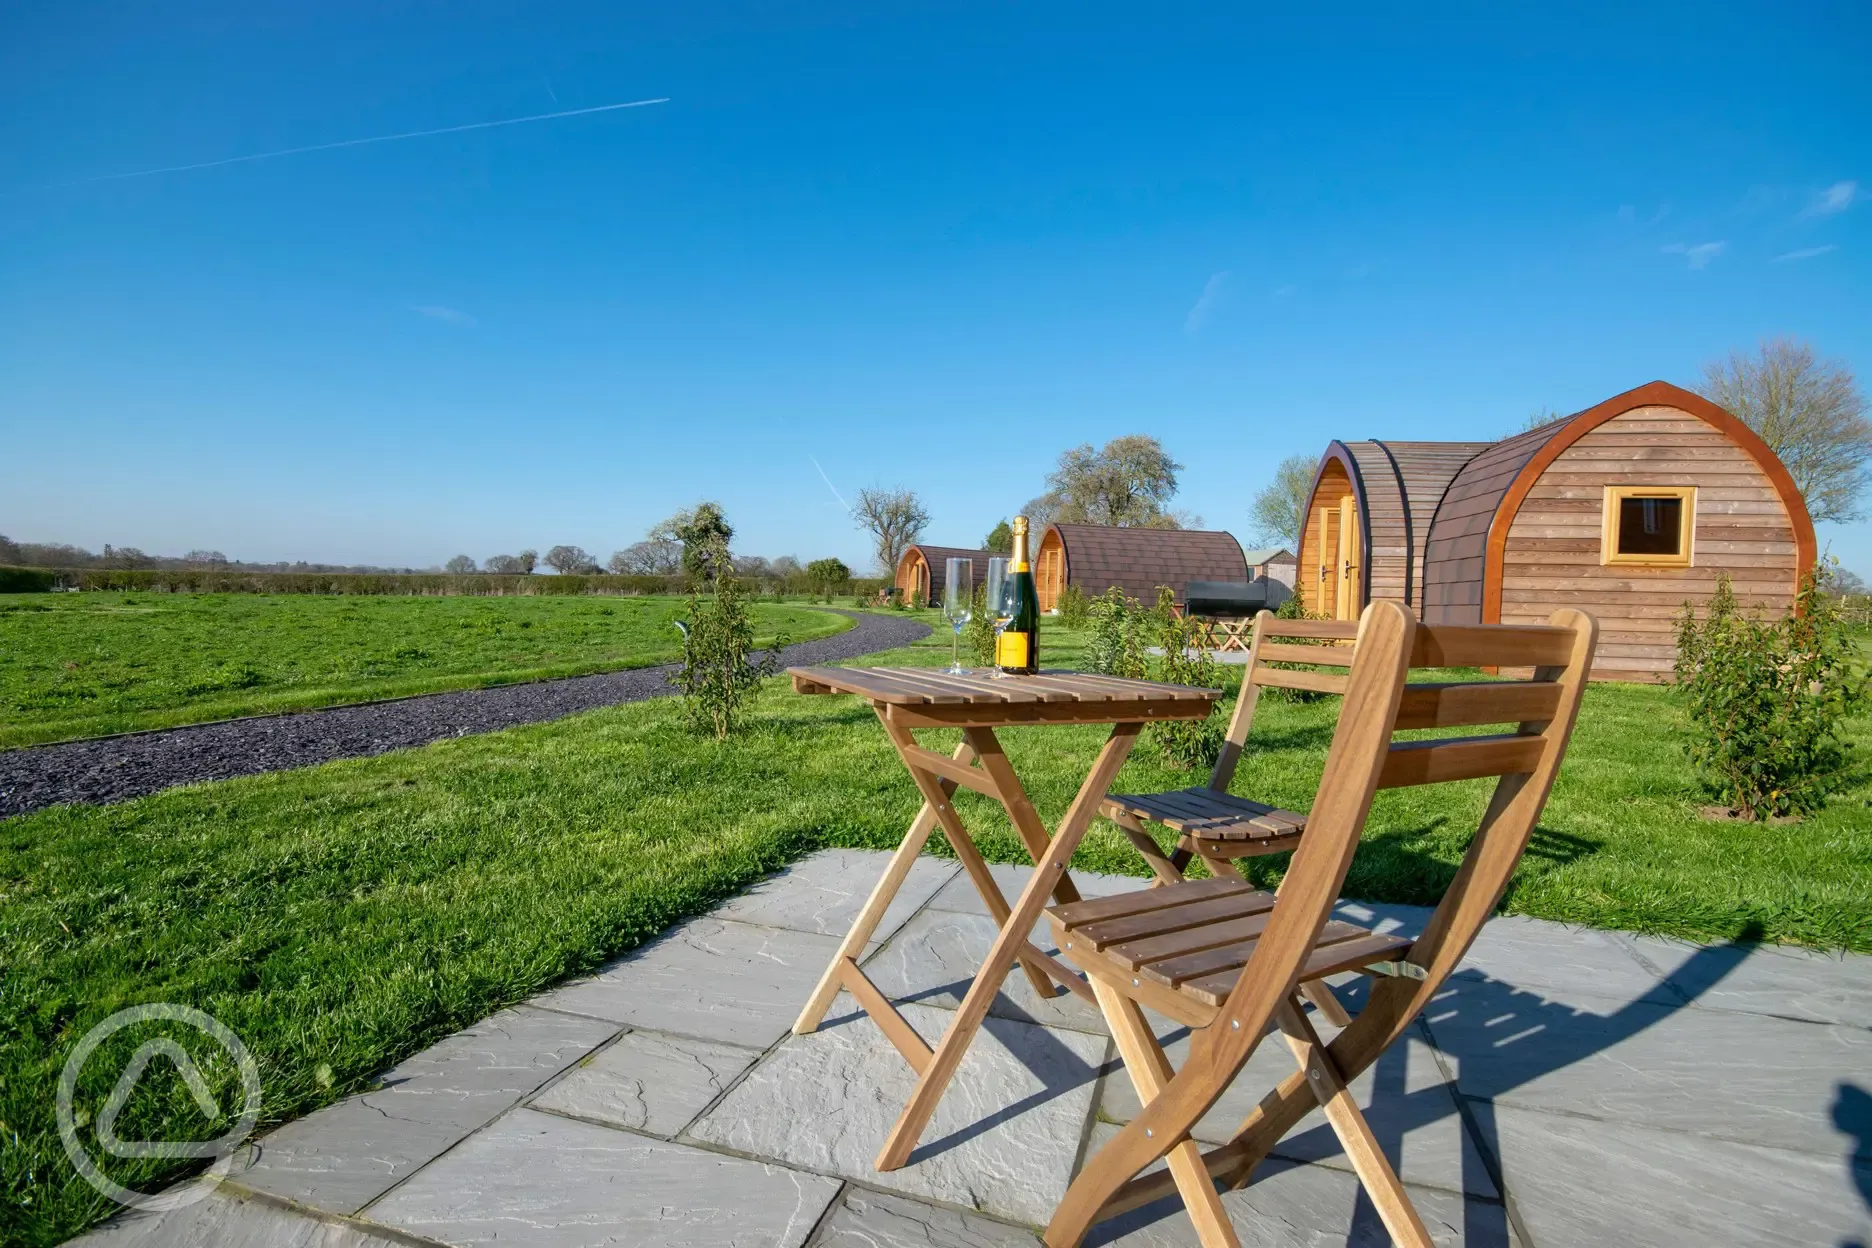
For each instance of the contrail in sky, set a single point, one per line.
(828, 482)
(376, 138)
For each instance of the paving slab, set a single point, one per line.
(959, 893)
(342, 1157)
(824, 892)
(539, 1180)
(1410, 1104)
(866, 1219)
(1294, 1205)
(234, 1217)
(737, 983)
(1763, 979)
(647, 1081)
(933, 960)
(1004, 1136)
(1582, 1183)
(1746, 1077)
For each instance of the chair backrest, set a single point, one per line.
(1273, 641)
(1538, 714)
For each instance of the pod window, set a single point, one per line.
(1648, 525)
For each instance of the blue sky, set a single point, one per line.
(925, 245)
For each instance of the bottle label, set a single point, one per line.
(1011, 650)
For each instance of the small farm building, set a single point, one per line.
(1096, 557)
(921, 570)
(1276, 563)
(1627, 510)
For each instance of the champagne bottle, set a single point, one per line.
(1017, 653)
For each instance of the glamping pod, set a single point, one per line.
(1628, 510)
(921, 570)
(1096, 557)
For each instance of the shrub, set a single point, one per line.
(1073, 608)
(916, 599)
(1767, 699)
(1186, 743)
(1116, 646)
(716, 677)
(978, 635)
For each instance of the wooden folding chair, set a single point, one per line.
(1228, 960)
(1214, 824)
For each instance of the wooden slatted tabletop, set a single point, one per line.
(1115, 697)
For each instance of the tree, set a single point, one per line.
(751, 566)
(529, 559)
(784, 566)
(570, 560)
(1810, 413)
(206, 558)
(459, 565)
(1279, 510)
(824, 574)
(1128, 483)
(719, 675)
(1000, 539)
(651, 557)
(507, 565)
(895, 519)
(701, 530)
(9, 549)
(1542, 415)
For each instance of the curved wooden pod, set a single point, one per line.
(923, 567)
(1394, 488)
(1522, 527)
(1096, 557)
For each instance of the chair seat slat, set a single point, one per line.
(1165, 919)
(1228, 959)
(1093, 909)
(1342, 955)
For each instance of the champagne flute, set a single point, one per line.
(998, 610)
(958, 604)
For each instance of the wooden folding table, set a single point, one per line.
(906, 699)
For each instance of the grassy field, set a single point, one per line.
(79, 665)
(344, 916)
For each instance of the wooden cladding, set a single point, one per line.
(1629, 510)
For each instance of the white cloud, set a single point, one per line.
(1807, 253)
(1206, 303)
(436, 312)
(1696, 255)
(1835, 199)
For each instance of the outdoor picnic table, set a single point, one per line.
(910, 698)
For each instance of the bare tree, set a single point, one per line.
(1128, 482)
(1810, 413)
(205, 558)
(1279, 510)
(653, 557)
(894, 519)
(459, 564)
(507, 565)
(529, 559)
(570, 560)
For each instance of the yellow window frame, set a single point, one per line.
(1615, 496)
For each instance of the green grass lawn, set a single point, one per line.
(342, 917)
(79, 665)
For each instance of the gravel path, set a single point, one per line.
(114, 769)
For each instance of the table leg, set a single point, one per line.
(1049, 877)
(879, 901)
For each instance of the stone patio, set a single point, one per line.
(1569, 1088)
